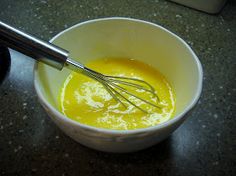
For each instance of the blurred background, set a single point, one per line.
(30, 144)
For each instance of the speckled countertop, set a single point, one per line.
(30, 144)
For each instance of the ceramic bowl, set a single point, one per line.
(123, 38)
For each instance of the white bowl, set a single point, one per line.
(125, 38)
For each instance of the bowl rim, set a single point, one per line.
(170, 122)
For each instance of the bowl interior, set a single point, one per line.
(126, 38)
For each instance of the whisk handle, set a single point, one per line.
(32, 46)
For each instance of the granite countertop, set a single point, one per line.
(30, 143)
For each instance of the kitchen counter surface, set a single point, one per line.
(30, 143)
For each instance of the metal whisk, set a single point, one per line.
(59, 58)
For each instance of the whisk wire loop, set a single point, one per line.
(113, 85)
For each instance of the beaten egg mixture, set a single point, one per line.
(87, 101)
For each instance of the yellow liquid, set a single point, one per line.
(87, 101)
